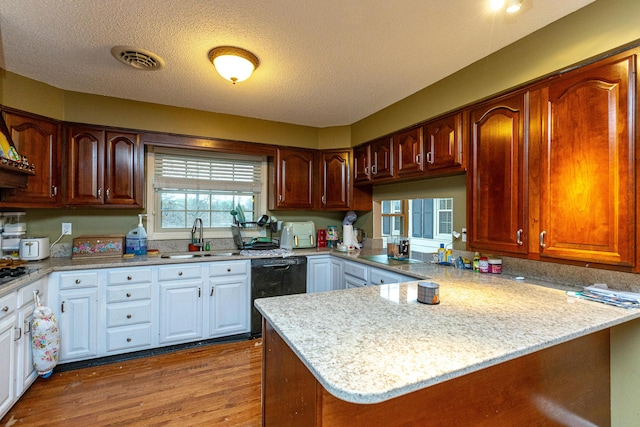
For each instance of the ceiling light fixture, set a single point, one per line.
(512, 6)
(233, 63)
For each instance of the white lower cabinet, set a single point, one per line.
(180, 303)
(78, 324)
(8, 351)
(337, 273)
(379, 276)
(319, 278)
(355, 274)
(16, 367)
(229, 307)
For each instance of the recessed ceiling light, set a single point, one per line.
(140, 59)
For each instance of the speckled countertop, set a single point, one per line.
(371, 344)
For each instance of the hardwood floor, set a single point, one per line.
(211, 385)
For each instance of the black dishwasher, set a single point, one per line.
(272, 277)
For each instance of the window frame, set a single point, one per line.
(153, 198)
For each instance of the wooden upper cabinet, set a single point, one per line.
(335, 179)
(39, 140)
(495, 180)
(410, 151)
(293, 179)
(587, 209)
(123, 171)
(443, 141)
(104, 168)
(362, 163)
(382, 158)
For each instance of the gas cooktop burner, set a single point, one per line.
(13, 272)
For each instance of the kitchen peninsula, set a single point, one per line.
(494, 352)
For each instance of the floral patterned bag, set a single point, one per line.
(45, 339)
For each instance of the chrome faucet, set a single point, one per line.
(197, 227)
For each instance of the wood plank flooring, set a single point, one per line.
(211, 385)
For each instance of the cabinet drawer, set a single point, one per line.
(356, 270)
(128, 293)
(78, 280)
(383, 277)
(130, 337)
(180, 272)
(8, 304)
(128, 313)
(229, 268)
(122, 277)
(25, 294)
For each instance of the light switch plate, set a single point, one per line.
(464, 234)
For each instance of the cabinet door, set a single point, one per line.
(78, 324)
(38, 140)
(337, 274)
(335, 170)
(180, 312)
(319, 274)
(85, 167)
(229, 306)
(495, 182)
(410, 148)
(123, 169)
(294, 178)
(443, 138)
(588, 186)
(7, 364)
(362, 163)
(382, 158)
(26, 372)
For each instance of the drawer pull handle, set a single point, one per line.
(19, 333)
(128, 339)
(180, 273)
(78, 281)
(129, 277)
(212, 288)
(5, 308)
(128, 294)
(519, 237)
(27, 326)
(37, 291)
(542, 243)
(128, 316)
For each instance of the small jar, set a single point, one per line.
(495, 266)
(484, 264)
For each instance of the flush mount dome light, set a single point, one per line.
(512, 6)
(233, 63)
(140, 59)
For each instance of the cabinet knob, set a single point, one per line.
(129, 278)
(128, 294)
(128, 316)
(228, 270)
(180, 273)
(381, 281)
(78, 281)
(5, 308)
(128, 339)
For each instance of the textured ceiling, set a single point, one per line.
(322, 63)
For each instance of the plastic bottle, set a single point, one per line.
(137, 239)
(441, 253)
(476, 261)
(448, 257)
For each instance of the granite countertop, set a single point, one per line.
(371, 344)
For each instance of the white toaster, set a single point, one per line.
(34, 248)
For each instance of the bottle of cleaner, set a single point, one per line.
(476, 261)
(441, 253)
(137, 239)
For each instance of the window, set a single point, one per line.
(190, 184)
(427, 222)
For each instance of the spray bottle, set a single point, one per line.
(137, 239)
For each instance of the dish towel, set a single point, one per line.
(45, 339)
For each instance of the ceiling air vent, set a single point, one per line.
(137, 58)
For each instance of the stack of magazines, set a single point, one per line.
(607, 296)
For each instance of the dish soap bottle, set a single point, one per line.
(137, 239)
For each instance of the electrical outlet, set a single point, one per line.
(66, 228)
(464, 234)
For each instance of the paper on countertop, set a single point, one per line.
(601, 288)
(601, 293)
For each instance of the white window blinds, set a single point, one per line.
(212, 171)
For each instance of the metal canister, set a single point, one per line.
(428, 293)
